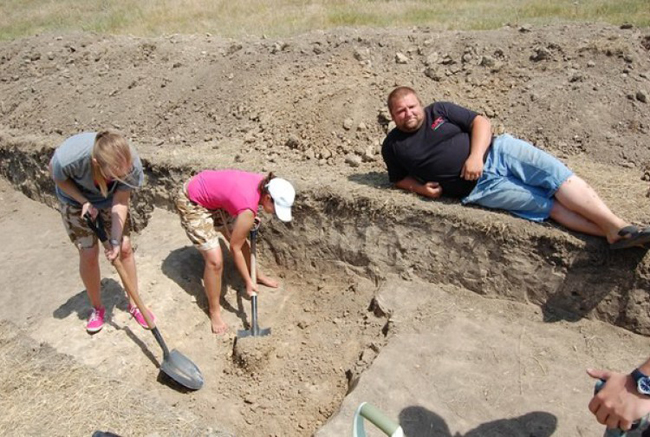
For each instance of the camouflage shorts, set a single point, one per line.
(201, 225)
(78, 231)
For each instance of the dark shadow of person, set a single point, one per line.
(535, 424)
(185, 267)
(113, 296)
(417, 421)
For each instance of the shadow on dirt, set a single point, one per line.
(379, 180)
(599, 275)
(569, 280)
(372, 179)
(143, 347)
(418, 421)
(185, 267)
(113, 296)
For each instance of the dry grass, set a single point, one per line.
(288, 17)
(47, 393)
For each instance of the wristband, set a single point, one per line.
(114, 242)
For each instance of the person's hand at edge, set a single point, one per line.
(618, 404)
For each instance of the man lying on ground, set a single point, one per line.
(447, 150)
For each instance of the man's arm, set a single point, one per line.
(481, 137)
(618, 404)
(432, 190)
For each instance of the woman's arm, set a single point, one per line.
(119, 212)
(71, 189)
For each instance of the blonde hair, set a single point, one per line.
(110, 151)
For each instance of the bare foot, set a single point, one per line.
(613, 235)
(265, 280)
(219, 327)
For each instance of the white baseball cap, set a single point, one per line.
(283, 195)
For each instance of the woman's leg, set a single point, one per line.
(212, 283)
(127, 257)
(90, 274)
(577, 196)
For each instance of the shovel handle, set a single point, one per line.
(377, 418)
(98, 229)
(253, 237)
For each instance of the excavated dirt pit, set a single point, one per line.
(311, 109)
(324, 331)
(327, 325)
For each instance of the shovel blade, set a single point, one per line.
(182, 370)
(242, 333)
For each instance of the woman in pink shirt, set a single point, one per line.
(214, 196)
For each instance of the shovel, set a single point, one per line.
(377, 418)
(255, 330)
(175, 365)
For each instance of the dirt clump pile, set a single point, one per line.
(319, 98)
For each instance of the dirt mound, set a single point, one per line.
(319, 98)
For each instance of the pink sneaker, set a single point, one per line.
(96, 320)
(137, 315)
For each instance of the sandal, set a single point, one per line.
(632, 236)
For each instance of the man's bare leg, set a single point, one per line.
(212, 283)
(573, 221)
(577, 196)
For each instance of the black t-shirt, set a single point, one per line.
(434, 153)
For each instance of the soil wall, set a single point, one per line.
(491, 254)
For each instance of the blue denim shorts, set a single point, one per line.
(519, 178)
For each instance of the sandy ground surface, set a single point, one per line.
(407, 300)
(461, 365)
(454, 363)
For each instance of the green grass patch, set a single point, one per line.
(19, 18)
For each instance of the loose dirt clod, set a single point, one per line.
(252, 353)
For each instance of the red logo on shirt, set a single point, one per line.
(437, 123)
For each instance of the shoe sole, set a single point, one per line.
(93, 330)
